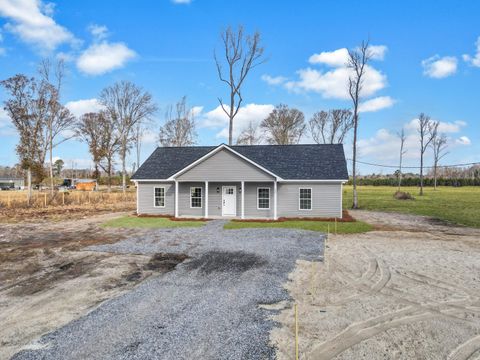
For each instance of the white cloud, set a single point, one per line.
(377, 52)
(32, 21)
(475, 59)
(333, 83)
(463, 140)
(99, 32)
(273, 80)
(334, 58)
(376, 104)
(181, 1)
(104, 57)
(196, 110)
(384, 145)
(443, 127)
(438, 68)
(216, 119)
(80, 107)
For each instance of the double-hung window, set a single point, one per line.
(263, 198)
(305, 199)
(195, 197)
(159, 197)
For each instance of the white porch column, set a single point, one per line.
(206, 199)
(243, 200)
(275, 217)
(176, 198)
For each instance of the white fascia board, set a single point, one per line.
(152, 180)
(314, 181)
(213, 152)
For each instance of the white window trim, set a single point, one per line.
(201, 197)
(164, 196)
(311, 198)
(269, 197)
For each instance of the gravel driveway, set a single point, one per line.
(207, 308)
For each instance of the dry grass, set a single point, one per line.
(62, 205)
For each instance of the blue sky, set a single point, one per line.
(427, 60)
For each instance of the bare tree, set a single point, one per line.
(439, 146)
(284, 126)
(357, 62)
(242, 53)
(127, 105)
(179, 128)
(249, 136)
(402, 137)
(58, 118)
(27, 108)
(331, 127)
(427, 129)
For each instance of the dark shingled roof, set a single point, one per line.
(293, 162)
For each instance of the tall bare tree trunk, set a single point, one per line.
(51, 162)
(354, 161)
(109, 167)
(124, 176)
(29, 184)
(435, 176)
(421, 174)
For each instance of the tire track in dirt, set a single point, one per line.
(466, 350)
(414, 312)
(364, 330)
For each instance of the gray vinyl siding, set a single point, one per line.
(251, 210)
(224, 166)
(326, 200)
(184, 200)
(145, 199)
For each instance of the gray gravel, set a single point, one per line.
(207, 308)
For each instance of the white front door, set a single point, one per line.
(229, 201)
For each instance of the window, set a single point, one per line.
(305, 199)
(195, 197)
(159, 197)
(263, 198)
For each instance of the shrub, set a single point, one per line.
(402, 195)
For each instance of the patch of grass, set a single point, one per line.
(457, 205)
(342, 228)
(149, 222)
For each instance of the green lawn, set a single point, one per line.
(149, 222)
(459, 205)
(342, 228)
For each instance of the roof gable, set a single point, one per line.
(224, 164)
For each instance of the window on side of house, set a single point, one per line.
(195, 197)
(159, 197)
(263, 198)
(305, 199)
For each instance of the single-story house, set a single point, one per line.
(243, 181)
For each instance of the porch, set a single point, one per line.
(230, 199)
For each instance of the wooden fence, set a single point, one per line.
(19, 199)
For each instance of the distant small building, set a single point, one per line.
(11, 183)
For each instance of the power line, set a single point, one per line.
(415, 167)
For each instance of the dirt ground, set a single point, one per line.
(47, 280)
(410, 290)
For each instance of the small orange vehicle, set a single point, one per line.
(86, 186)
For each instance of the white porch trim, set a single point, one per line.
(243, 200)
(275, 217)
(176, 198)
(206, 199)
